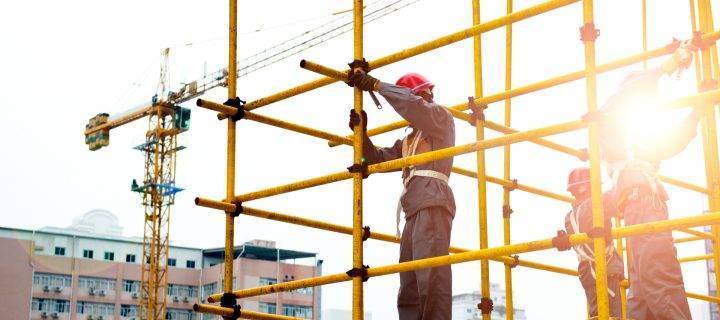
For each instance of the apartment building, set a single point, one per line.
(89, 271)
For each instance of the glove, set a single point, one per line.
(476, 112)
(355, 118)
(362, 81)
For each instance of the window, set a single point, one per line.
(50, 305)
(209, 289)
(305, 291)
(52, 280)
(59, 251)
(87, 254)
(109, 255)
(179, 314)
(171, 262)
(267, 307)
(190, 264)
(182, 290)
(297, 311)
(97, 284)
(97, 309)
(130, 258)
(130, 286)
(267, 281)
(128, 310)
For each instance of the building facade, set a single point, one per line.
(465, 305)
(88, 271)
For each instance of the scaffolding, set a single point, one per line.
(234, 109)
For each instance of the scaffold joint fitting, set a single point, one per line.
(561, 242)
(672, 46)
(359, 64)
(511, 187)
(238, 209)
(584, 154)
(593, 116)
(507, 211)
(237, 104)
(229, 300)
(360, 168)
(366, 233)
(698, 42)
(599, 232)
(477, 113)
(359, 272)
(588, 32)
(707, 85)
(485, 305)
(515, 262)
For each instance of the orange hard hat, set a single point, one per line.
(415, 82)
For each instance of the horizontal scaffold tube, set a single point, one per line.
(419, 49)
(244, 314)
(418, 159)
(696, 258)
(544, 84)
(506, 250)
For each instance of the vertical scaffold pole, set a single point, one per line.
(709, 126)
(481, 177)
(357, 283)
(230, 179)
(589, 34)
(507, 211)
(644, 30)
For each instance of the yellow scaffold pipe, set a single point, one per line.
(696, 258)
(512, 184)
(242, 313)
(544, 84)
(575, 239)
(416, 50)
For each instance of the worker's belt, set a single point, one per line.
(415, 173)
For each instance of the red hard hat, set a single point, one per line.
(415, 82)
(578, 176)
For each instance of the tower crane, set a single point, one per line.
(166, 120)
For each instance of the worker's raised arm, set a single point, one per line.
(429, 117)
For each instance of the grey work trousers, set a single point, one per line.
(657, 291)
(588, 283)
(427, 293)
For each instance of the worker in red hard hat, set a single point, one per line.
(580, 220)
(656, 284)
(427, 200)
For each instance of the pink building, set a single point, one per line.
(89, 271)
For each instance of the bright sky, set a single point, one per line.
(64, 62)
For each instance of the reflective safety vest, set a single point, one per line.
(411, 145)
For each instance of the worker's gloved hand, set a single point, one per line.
(476, 112)
(362, 81)
(355, 119)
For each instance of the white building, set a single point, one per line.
(464, 306)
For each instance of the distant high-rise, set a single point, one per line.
(465, 305)
(89, 271)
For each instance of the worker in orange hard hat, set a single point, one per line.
(656, 284)
(580, 220)
(427, 200)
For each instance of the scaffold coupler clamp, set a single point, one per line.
(561, 242)
(507, 211)
(584, 154)
(588, 32)
(600, 232)
(513, 186)
(366, 233)
(238, 209)
(364, 66)
(237, 104)
(359, 272)
(477, 113)
(515, 262)
(485, 305)
(229, 300)
(698, 42)
(593, 116)
(360, 168)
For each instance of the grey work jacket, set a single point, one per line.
(438, 127)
